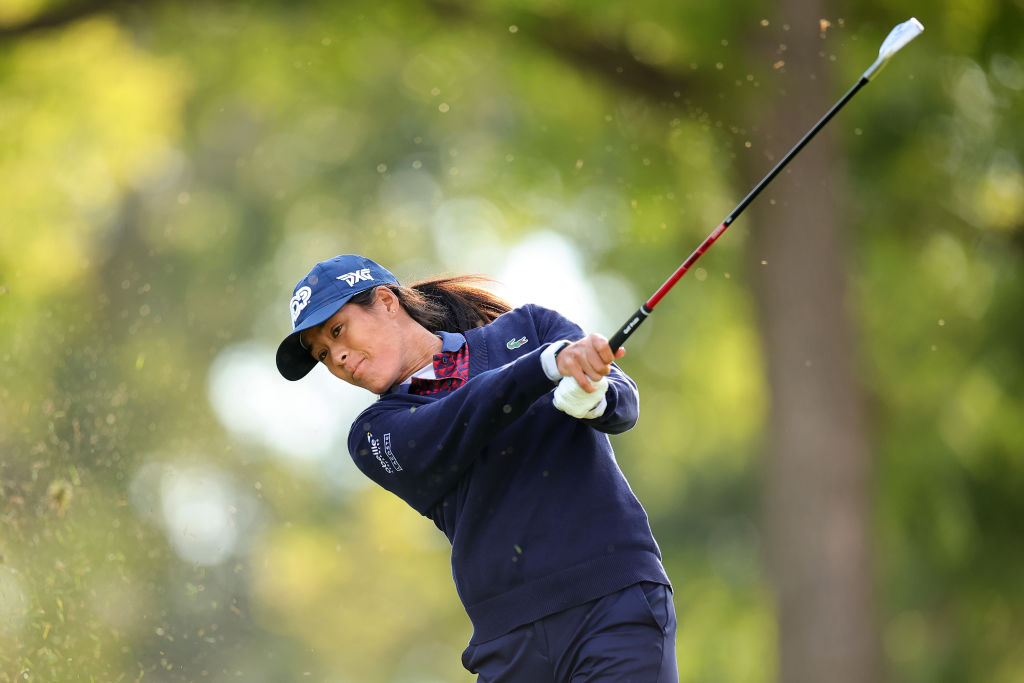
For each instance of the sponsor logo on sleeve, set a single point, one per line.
(391, 456)
(386, 458)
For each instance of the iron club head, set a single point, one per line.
(893, 43)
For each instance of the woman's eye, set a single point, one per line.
(322, 356)
(336, 331)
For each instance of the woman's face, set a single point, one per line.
(361, 345)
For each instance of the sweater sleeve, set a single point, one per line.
(418, 447)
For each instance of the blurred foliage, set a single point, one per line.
(169, 170)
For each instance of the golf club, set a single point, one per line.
(896, 40)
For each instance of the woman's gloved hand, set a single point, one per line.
(572, 399)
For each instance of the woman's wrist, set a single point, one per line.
(549, 359)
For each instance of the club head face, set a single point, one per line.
(899, 37)
(893, 43)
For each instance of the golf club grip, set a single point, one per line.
(628, 328)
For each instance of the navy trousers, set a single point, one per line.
(625, 637)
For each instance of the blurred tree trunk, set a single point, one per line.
(818, 464)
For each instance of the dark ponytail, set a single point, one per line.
(449, 304)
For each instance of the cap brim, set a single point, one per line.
(293, 361)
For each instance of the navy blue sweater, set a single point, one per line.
(538, 513)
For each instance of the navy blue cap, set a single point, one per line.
(318, 296)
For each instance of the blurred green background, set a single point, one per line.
(830, 446)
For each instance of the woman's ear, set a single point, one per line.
(388, 298)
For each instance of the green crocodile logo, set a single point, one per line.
(514, 344)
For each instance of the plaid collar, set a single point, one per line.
(448, 371)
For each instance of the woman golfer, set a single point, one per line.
(552, 554)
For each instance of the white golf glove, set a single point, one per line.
(572, 399)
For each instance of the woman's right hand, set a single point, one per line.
(587, 360)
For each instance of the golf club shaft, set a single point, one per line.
(634, 321)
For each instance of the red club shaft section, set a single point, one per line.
(681, 271)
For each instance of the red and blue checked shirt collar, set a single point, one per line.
(450, 368)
